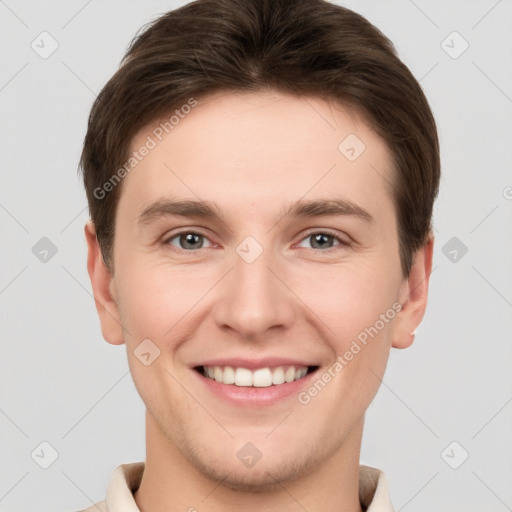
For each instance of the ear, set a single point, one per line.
(103, 286)
(413, 296)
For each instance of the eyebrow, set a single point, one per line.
(206, 210)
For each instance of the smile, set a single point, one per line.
(259, 378)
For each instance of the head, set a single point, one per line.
(312, 157)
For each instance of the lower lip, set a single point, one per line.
(254, 396)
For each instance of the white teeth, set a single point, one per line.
(278, 376)
(289, 374)
(300, 372)
(229, 375)
(217, 373)
(260, 378)
(243, 377)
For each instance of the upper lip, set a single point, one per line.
(255, 363)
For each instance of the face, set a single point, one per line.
(289, 265)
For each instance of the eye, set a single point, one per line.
(187, 240)
(323, 241)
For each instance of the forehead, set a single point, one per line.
(260, 149)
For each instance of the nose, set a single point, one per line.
(254, 298)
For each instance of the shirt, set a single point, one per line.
(373, 490)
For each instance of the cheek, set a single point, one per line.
(348, 300)
(158, 298)
(356, 307)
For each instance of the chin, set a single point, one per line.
(253, 483)
(265, 476)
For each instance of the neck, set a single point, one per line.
(171, 484)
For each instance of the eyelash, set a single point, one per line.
(341, 241)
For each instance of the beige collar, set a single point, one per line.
(373, 490)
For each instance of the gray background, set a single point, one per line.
(63, 385)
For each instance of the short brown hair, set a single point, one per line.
(300, 47)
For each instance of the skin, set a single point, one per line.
(253, 154)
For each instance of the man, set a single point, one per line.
(261, 177)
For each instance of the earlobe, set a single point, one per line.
(103, 286)
(414, 297)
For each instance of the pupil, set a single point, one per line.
(320, 239)
(190, 239)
